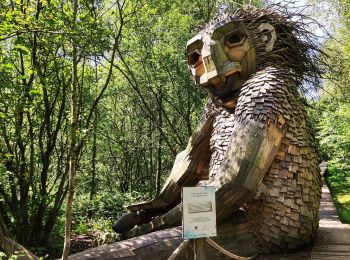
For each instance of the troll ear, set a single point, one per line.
(268, 35)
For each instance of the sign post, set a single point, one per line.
(199, 222)
(199, 216)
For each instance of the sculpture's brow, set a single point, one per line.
(194, 43)
(224, 22)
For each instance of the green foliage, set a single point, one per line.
(334, 133)
(338, 179)
(137, 106)
(333, 110)
(99, 214)
(332, 115)
(105, 205)
(55, 242)
(35, 76)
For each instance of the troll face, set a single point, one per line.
(223, 57)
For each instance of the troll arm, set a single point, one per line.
(251, 152)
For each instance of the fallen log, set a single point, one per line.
(11, 247)
(156, 245)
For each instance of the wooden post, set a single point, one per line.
(199, 253)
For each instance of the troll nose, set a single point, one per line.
(211, 76)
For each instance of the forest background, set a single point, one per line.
(96, 101)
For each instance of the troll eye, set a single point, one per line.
(234, 38)
(193, 57)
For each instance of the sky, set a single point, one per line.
(323, 13)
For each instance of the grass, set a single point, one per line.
(338, 180)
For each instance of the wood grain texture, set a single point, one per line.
(157, 245)
(285, 215)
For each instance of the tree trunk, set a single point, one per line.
(160, 143)
(151, 171)
(73, 152)
(93, 167)
(2, 228)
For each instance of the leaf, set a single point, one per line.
(22, 49)
(6, 67)
(35, 92)
(2, 115)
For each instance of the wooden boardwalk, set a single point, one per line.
(332, 241)
(333, 238)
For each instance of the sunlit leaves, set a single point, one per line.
(21, 49)
(37, 39)
(334, 119)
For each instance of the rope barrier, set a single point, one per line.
(211, 242)
(227, 253)
(178, 250)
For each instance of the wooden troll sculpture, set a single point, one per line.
(253, 142)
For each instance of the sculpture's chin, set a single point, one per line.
(227, 92)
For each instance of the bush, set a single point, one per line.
(338, 180)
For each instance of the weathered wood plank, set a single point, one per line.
(333, 238)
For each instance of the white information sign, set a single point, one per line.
(198, 212)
